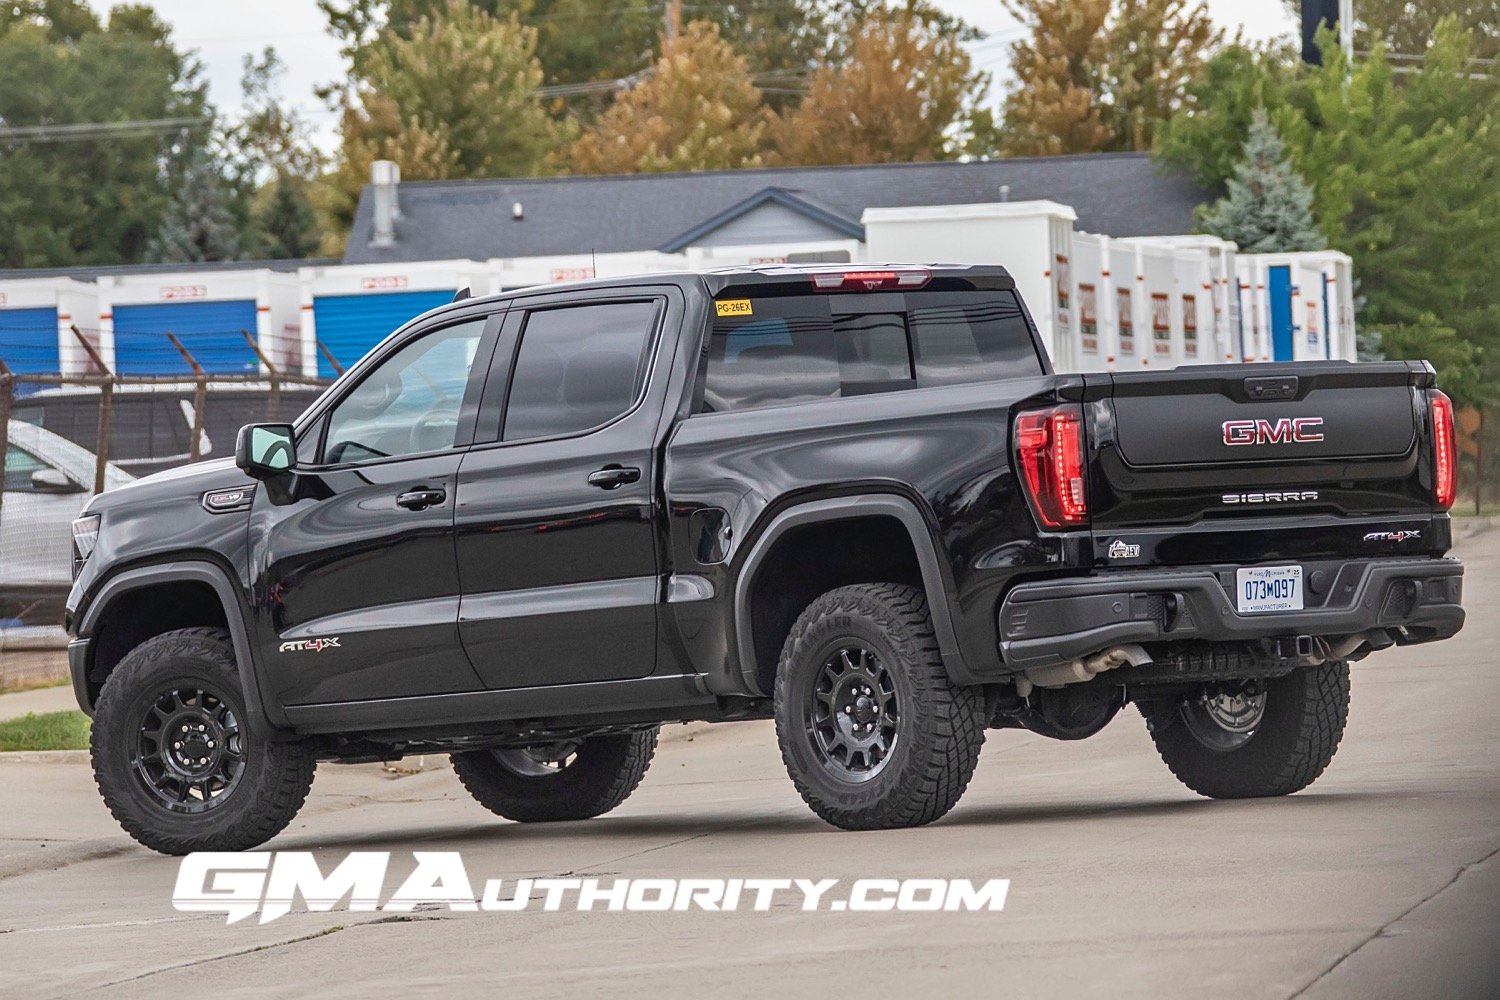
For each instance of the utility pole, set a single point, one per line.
(672, 19)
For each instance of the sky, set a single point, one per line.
(223, 32)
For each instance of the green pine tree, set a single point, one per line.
(1269, 206)
(286, 226)
(198, 225)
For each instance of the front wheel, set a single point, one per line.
(174, 759)
(873, 733)
(1253, 739)
(570, 779)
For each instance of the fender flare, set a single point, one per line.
(195, 571)
(839, 509)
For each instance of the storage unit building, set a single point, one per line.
(36, 317)
(210, 312)
(347, 310)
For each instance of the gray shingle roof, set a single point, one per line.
(1118, 194)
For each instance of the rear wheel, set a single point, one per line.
(571, 779)
(873, 733)
(173, 758)
(1252, 739)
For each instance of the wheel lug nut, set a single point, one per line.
(177, 746)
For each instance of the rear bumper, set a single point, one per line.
(1057, 621)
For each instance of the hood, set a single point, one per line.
(186, 480)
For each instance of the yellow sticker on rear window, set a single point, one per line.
(734, 307)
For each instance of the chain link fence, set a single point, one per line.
(172, 399)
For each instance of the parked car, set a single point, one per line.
(151, 425)
(527, 530)
(48, 480)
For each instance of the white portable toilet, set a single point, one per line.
(208, 310)
(507, 273)
(36, 320)
(1304, 304)
(1032, 239)
(1089, 284)
(349, 308)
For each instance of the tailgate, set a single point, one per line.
(1309, 457)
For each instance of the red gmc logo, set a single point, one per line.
(1287, 430)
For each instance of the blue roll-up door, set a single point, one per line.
(1279, 291)
(349, 325)
(211, 331)
(28, 340)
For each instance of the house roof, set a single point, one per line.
(1117, 194)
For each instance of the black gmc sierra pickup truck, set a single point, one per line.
(529, 529)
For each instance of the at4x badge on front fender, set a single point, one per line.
(310, 645)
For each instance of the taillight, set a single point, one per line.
(1049, 453)
(869, 279)
(1444, 450)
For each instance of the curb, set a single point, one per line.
(44, 757)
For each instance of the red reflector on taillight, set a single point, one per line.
(1049, 454)
(870, 280)
(1444, 450)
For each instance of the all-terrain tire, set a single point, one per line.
(1294, 741)
(601, 775)
(937, 728)
(267, 787)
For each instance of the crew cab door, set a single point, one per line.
(354, 582)
(556, 517)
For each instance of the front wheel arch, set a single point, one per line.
(223, 610)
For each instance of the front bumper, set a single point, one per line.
(1058, 621)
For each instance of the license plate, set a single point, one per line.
(1260, 589)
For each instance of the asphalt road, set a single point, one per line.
(1382, 880)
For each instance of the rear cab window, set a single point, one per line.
(777, 349)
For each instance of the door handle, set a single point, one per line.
(421, 498)
(613, 477)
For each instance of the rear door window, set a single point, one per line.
(578, 367)
(800, 348)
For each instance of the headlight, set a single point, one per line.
(85, 537)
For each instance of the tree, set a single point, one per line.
(900, 93)
(1206, 140)
(456, 99)
(697, 110)
(198, 225)
(1156, 48)
(96, 200)
(1055, 103)
(1097, 75)
(579, 41)
(284, 225)
(1269, 206)
(1405, 173)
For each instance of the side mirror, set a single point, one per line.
(264, 450)
(52, 481)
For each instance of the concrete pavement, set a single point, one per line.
(1383, 879)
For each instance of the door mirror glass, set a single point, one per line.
(53, 481)
(266, 449)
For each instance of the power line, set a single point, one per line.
(83, 131)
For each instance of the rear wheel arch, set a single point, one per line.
(138, 604)
(905, 553)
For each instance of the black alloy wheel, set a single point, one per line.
(189, 752)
